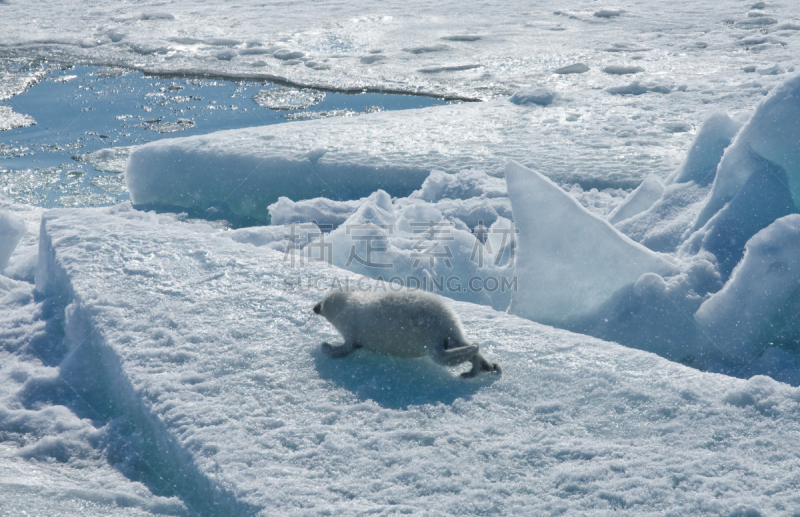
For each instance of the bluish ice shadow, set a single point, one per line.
(216, 212)
(396, 383)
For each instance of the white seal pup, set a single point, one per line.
(402, 324)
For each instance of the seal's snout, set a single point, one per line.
(317, 308)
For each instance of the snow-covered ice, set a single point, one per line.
(450, 48)
(251, 417)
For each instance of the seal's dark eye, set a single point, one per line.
(317, 308)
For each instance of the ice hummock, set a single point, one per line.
(321, 211)
(534, 95)
(763, 198)
(757, 180)
(770, 135)
(743, 235)
(757, 306)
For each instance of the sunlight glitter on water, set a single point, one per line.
(87, 119)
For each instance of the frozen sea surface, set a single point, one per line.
(471, 49)
(680, 65)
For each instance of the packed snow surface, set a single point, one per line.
(250, 417)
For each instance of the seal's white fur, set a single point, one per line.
(403, 324)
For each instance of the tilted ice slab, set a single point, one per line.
(351, 157)
(702, 159)
(12, 228)
(772, 134)
(642, 198)
(198, 340)
(569, 261)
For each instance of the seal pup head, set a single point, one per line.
(331, 305)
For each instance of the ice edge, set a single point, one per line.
(172, 468)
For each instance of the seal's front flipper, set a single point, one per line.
(337, 352)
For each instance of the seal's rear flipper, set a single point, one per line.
(453, 356)
(480, 364)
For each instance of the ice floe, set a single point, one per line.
(233, 419)
(346, 158)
